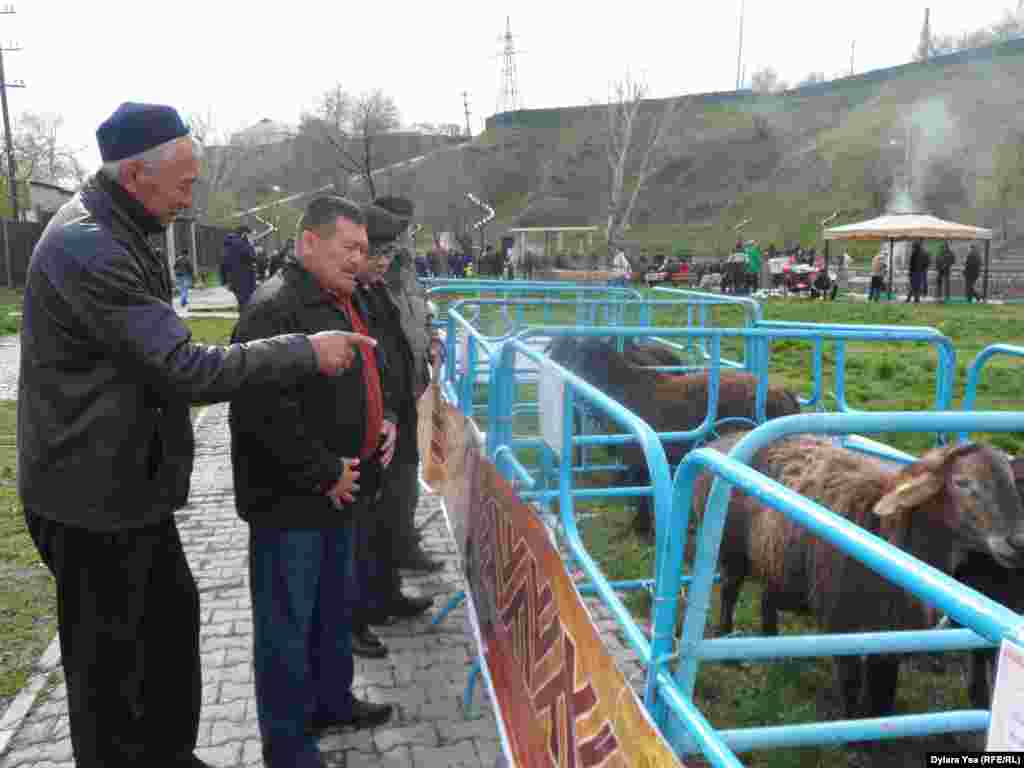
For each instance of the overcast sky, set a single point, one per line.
(242, 61)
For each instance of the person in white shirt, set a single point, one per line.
(621, 267)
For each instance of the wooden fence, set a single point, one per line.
(207, 257)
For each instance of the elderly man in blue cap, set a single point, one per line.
(105, 441)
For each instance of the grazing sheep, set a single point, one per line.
(952, 501)
(668, 403)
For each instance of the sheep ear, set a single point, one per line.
(909, 494)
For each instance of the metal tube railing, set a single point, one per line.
(974, 374)
(966, 606)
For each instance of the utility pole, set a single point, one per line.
(739, 52)
(465, 103)
(7, 10)
(853, 45)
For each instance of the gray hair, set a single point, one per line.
(153, 157)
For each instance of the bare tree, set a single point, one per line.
(351, 126)
(215, 201)
(39, 153)
(1004, 189)
(766, 80)
(630, 148)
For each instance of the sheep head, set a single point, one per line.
(970, 491)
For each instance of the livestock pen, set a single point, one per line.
(918, 578)
(537, 483)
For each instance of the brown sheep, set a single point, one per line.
(952, 501)
(668, 403)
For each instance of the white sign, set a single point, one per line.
(1006, 728)
(551, 398)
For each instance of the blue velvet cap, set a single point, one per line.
(134, 128)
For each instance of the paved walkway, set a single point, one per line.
(424, 675)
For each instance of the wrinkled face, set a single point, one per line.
(986, 505)
(336, 259)
(165, 189)
(379, 261)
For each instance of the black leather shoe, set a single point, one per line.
(365, 714)
(405, 607)
(418, 560)
(367, 645)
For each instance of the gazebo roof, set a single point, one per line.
(907, 226)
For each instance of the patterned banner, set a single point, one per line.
(562, 700)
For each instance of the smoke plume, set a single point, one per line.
(928, 134)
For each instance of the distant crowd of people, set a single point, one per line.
(919, 263)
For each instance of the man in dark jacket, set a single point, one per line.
(238, 271)
(281, 256)
(184, 274)
(294, 452)
(411, 299)
(972, 270)
(917, 270)
(105, 442)
(942, 270)
(380, 539)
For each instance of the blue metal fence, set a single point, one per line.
(987, 622)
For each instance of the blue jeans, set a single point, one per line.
(184, 286)
(302, 644)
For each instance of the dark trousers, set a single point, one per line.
(402, 494)
(875, 290)
(371, 577)
(969, 282)
(917, 285)
(302, 646)
(379, 538)
(128, 622)
(942, 285)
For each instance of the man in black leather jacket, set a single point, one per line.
(379, 540)
(285, 445)
(105, 442)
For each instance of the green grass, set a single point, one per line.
(27, 594)
(10, 301)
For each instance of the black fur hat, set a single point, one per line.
(399, 206)
(387, 218)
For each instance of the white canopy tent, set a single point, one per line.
(910, 226)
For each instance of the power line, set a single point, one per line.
(8, 10)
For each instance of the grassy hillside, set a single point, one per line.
(785, 161)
